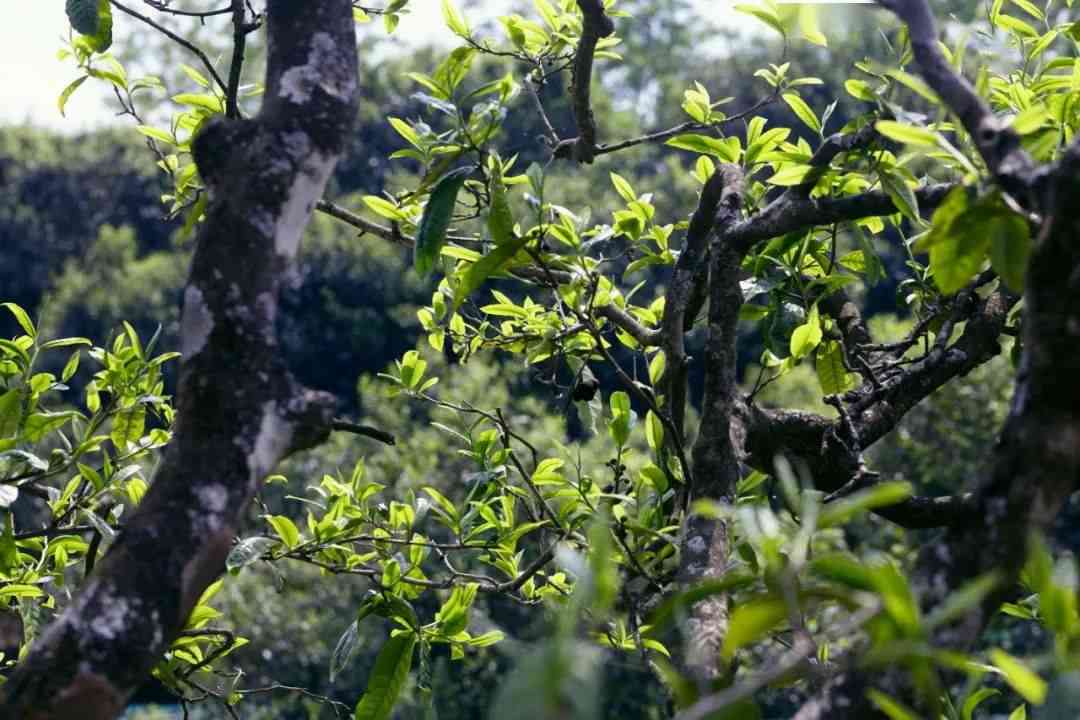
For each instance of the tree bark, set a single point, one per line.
(239, 409)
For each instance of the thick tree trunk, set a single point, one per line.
(239, 410)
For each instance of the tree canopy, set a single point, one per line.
(745, 393)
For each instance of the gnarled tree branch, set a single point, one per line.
(239, 409)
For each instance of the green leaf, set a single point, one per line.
(654, 431)
(431, 234)
(891, 707)
(751, 621)
(962, 601)
(726, 149)
(487, 266)
(765, 14)
(1020, 677)
(22, 318)
(66, 93)
(831, 373)
(101, 40)
(901, 193)
(10, 413)
(500, 220)
(454, 19)
(128, 426)
(156, 134)
(619, 425)
(881, 495)
(387, 678)
(907, 134)
(807, 336)
(802, 111)
(83, 15)
(286, 530)
(967, 712)
(789, 175)
(625, 190)
(861, 90)
(1010, 248)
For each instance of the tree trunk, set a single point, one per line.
(239, 410)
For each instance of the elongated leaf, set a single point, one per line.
(128, 426)
(882, 495)
(727, 149)
(485, 267)
(500, 220)
(22, 318)
(752, 621)
(387, 678)
(1010, 247)
(802, 111)
(1025, 681)
(901, 193)
(65, 95)
(345, 649)
(10, 412)
(431, 235)
(967, 712)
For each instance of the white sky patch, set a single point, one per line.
(34, 77)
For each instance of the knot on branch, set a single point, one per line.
(596, 19)
(215, 147)
(312, 414)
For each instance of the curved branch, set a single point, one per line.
(998, 144)
(239, 410)
(595, 25)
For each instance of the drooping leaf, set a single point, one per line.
(487, 266)
(67, 92)
(387, 678)
(431, 233)
(83, 15)
(802, 111)
(344, 649)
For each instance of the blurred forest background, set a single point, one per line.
(86, 244)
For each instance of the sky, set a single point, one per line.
(31, 76)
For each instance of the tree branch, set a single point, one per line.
(595, 25)
(239, 410)
(998, 144)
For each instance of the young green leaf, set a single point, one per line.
(802, 111)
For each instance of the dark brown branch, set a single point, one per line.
(998, 144)
(681, 289)
(595, 25)
(176, 39)
(705, 547)
(232, 93)
(202, 14)
(794, 211)
(689, 126)
(365, 430)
